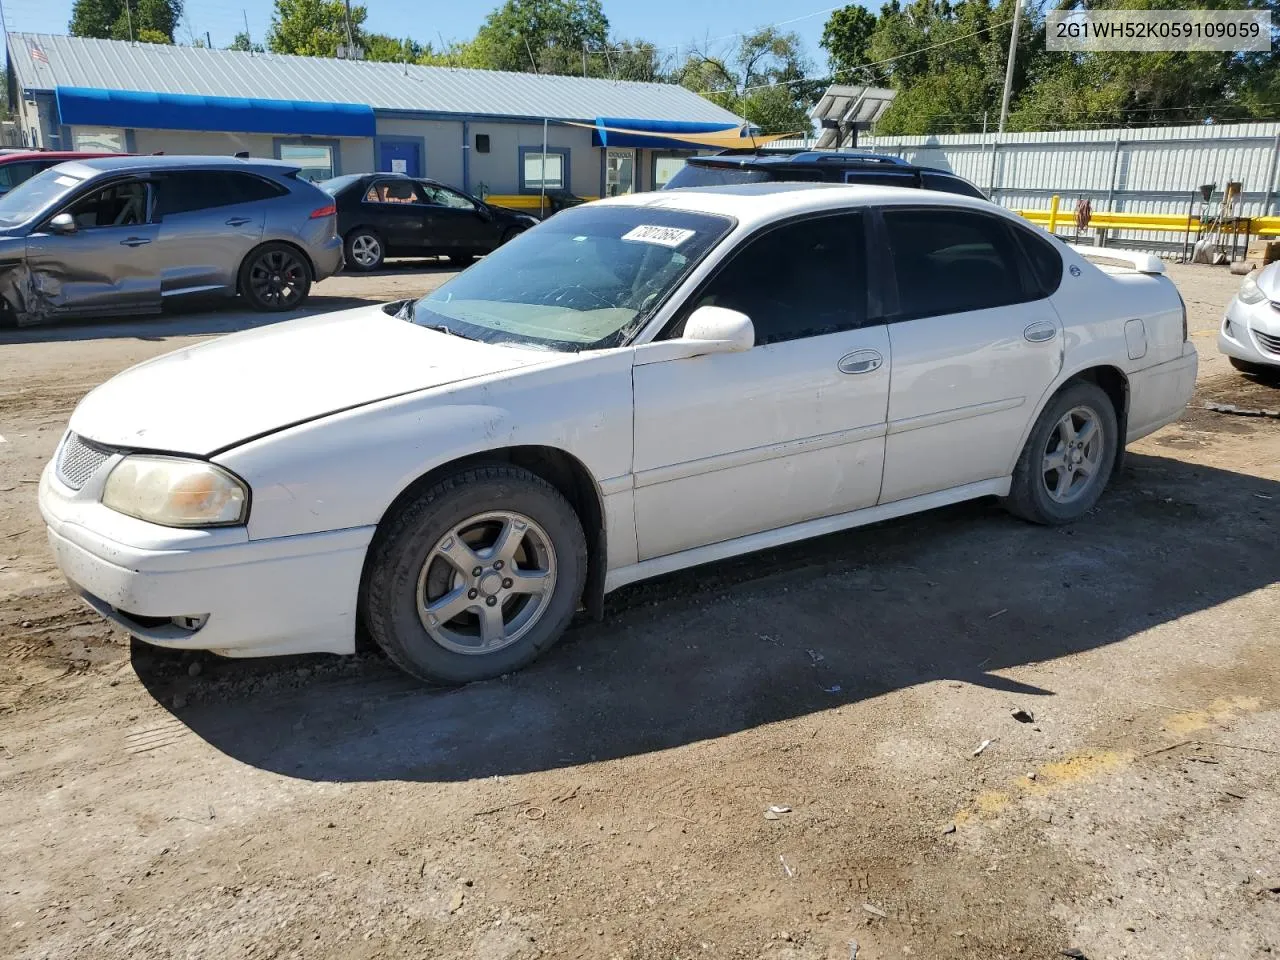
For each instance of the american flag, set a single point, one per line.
(38, 55)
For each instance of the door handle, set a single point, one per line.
(860, 361)
(134, 242)
(237, 221)
(1040, 331)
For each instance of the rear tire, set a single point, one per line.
(1068, 457)
(364, 249)
(443, 598)
(275, 277)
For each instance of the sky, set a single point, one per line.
(666, 23)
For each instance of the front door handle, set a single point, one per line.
(860, 361)
(237, 221)
(1040, 331)
(134, 242)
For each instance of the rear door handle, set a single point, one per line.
(860, 361)
(1040, 331)
(134, 242)
(237, 221)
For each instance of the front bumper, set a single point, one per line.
(206, 590)
(1251, 332)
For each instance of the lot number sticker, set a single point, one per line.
(663, 236)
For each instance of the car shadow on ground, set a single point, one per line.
(956, 594)
(194, 317)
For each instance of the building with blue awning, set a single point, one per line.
(479, 130)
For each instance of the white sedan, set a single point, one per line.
(1250, 331)
(632, 387)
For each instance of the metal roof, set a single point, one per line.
(46, 61)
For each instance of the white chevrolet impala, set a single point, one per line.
(632, 387)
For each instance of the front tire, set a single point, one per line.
(364, 249)
(1068, 457)
(275, 277)
(476, 577)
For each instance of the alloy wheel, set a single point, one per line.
(366, 250)
(1073, 455)
(486, 582)
(278, 278)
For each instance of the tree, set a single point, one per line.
(763, 78)
(244, 43)
(150, 21)
(313, 28)
(847, 37)
(553, 34)
(378, 46)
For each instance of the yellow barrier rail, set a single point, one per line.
(1053, 220)
(522, 201)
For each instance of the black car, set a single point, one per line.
(820, 166)
(384, 215)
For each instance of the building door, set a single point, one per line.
(400, 156)
(619, 172)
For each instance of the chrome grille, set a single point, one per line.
(1268, 342)
(78, 460)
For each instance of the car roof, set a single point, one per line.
(757, 203)
(120, 163)
(782, 159)
(21, 155)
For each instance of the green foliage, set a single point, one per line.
(763, 79)
(149, 21)
(313, 28)
(553, 34)
(242, 42)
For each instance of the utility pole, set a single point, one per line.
(208, 39)
(129, 18)
(1008, 70)
(247, 37)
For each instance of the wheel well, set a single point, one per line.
(1116, 386)
(563, 471)
(266, 243)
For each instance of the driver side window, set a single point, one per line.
(443, 197)
(802, 279)
(119, 205)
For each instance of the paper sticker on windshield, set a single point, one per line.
(663, 236)
(65, 181)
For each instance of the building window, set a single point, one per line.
(98, 139)
(532, 167)
(482, 143)
(316, 159)
(664, 168)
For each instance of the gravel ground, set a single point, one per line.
(612, 800)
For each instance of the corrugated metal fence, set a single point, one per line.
(1130, 170)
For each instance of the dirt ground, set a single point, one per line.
(613, 800)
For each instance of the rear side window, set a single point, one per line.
(877, 178)
(949, 184)
(953, 261)
(189, 191)
(1046, 262)
(802, 279)
(12, 174)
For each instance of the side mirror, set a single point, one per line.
(62, 224)
(721, 329)
(484, 212)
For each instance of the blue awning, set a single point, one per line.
(177, 111)
(668, 134)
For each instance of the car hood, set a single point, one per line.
(214, 395)
(1268, 280)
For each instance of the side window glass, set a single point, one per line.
(443, 197)
(1046, 262)
(947, 184)
(245, 188)
(119, 205)
(952, 261)
(803, 279)
(185, 192)
(393, 191)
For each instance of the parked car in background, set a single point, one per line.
(1250, 331)
(384, 215)
(642, 384)
(120, 235)
(816, 166)
(21, 165)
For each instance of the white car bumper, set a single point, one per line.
(206, 590)
(1251, 332)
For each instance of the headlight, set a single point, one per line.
(1250, 292)
(176, 493)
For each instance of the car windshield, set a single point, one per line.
(32, 196)
(584, 279)
(331, 187)
(707, 175)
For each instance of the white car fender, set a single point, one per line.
(301, 477)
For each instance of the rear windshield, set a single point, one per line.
(32, 196)
(705, 175)
(332, 187)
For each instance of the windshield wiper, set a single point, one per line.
(406, 311)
